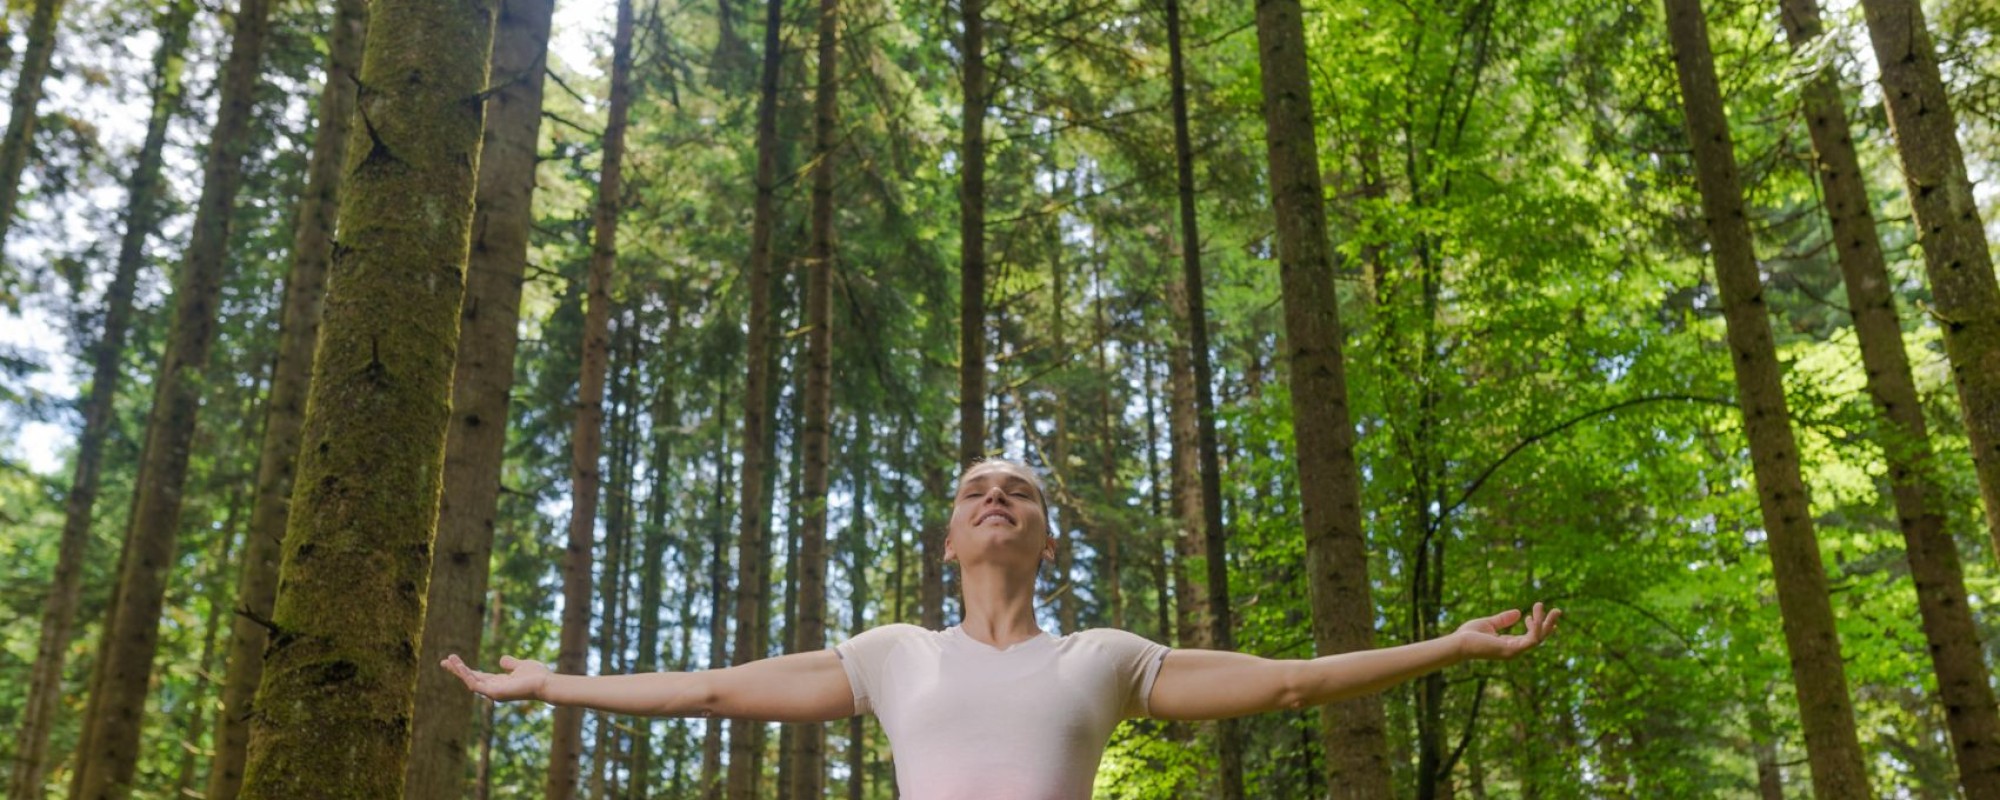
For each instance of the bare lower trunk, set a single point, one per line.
(753, 549)
(339, 677)
(815, 440)
(1933, 555)
(718, 597)
(482, 378)
(1353, 731)
(65, 587)
(1824, 708)
(109, 750)
(587, 437)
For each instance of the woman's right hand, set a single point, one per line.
(523, 680)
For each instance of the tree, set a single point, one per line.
(971, 235)
(1824, 708)
(1914, 488)
(1956, 254)
(1354, 731)
(587, 437)
(305, 292)
(336, 695)
(118, 691)
(17, 146)
(752, 548)
(65, 588)
(482, 378)
(815, 440)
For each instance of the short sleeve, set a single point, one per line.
(1137, 660)
(863, 656)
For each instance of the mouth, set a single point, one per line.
(993, 515)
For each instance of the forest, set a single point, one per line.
(650, 335)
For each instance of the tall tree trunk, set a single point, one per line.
(1353, 732)
(972, 238)
(305, 293)
(859, 556)
(109, 751)
(930, 600)
(588, 436)
(1934, 564)
(197, 725)
(482, 778)
(1964, 294)
(665, 415)
(142, 212)
(1067, 600)
(334, 706)
(1828, 719)
(1184, 472)
(815, 440)
(617, 530)
(1109, 533)
(482, 378)
(753, 550)
(17, 146)
(718, 593)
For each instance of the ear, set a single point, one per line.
(949, 554)
(1049, 549)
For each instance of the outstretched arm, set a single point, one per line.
(802, 687)
(1213, 684)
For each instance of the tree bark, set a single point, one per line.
(972, 238)
(815, 440)
(1964, 293)
(1190, 539)
(1353, 731)
(665, 416)
(1824, 708)
(859, 556)
(718, 594)
(587, 438)
(1933, 555)
(65, 587)
(482, 378)
(617, 537)
(109, 750)
(17, 146)
(305, 293)
(753, 550)
(341, 670)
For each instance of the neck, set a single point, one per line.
(999, 604)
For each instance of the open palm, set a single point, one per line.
(523, 679)
(1483, 638)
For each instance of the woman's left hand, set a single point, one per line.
(1482, 638)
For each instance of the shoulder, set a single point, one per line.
(1115, 641)
(885, 637)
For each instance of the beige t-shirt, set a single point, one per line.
(966, 720)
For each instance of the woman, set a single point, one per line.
(994, 707)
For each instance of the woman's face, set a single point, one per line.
(998, 513)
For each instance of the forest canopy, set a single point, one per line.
(633, 336)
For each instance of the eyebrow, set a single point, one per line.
(1006, 478)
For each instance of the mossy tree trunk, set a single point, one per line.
(1964, 293)
(752, 548)
(109, 750)
(1353, 732)
(305, 293)
(142, 213)
(971, 239)
(1933, 555)
(17, 146)
(334, 705)
(1824, 707)
(587, 437)
(815, 437)
(482, 378)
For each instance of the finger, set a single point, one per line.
(509, 662)
(1504, 619)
